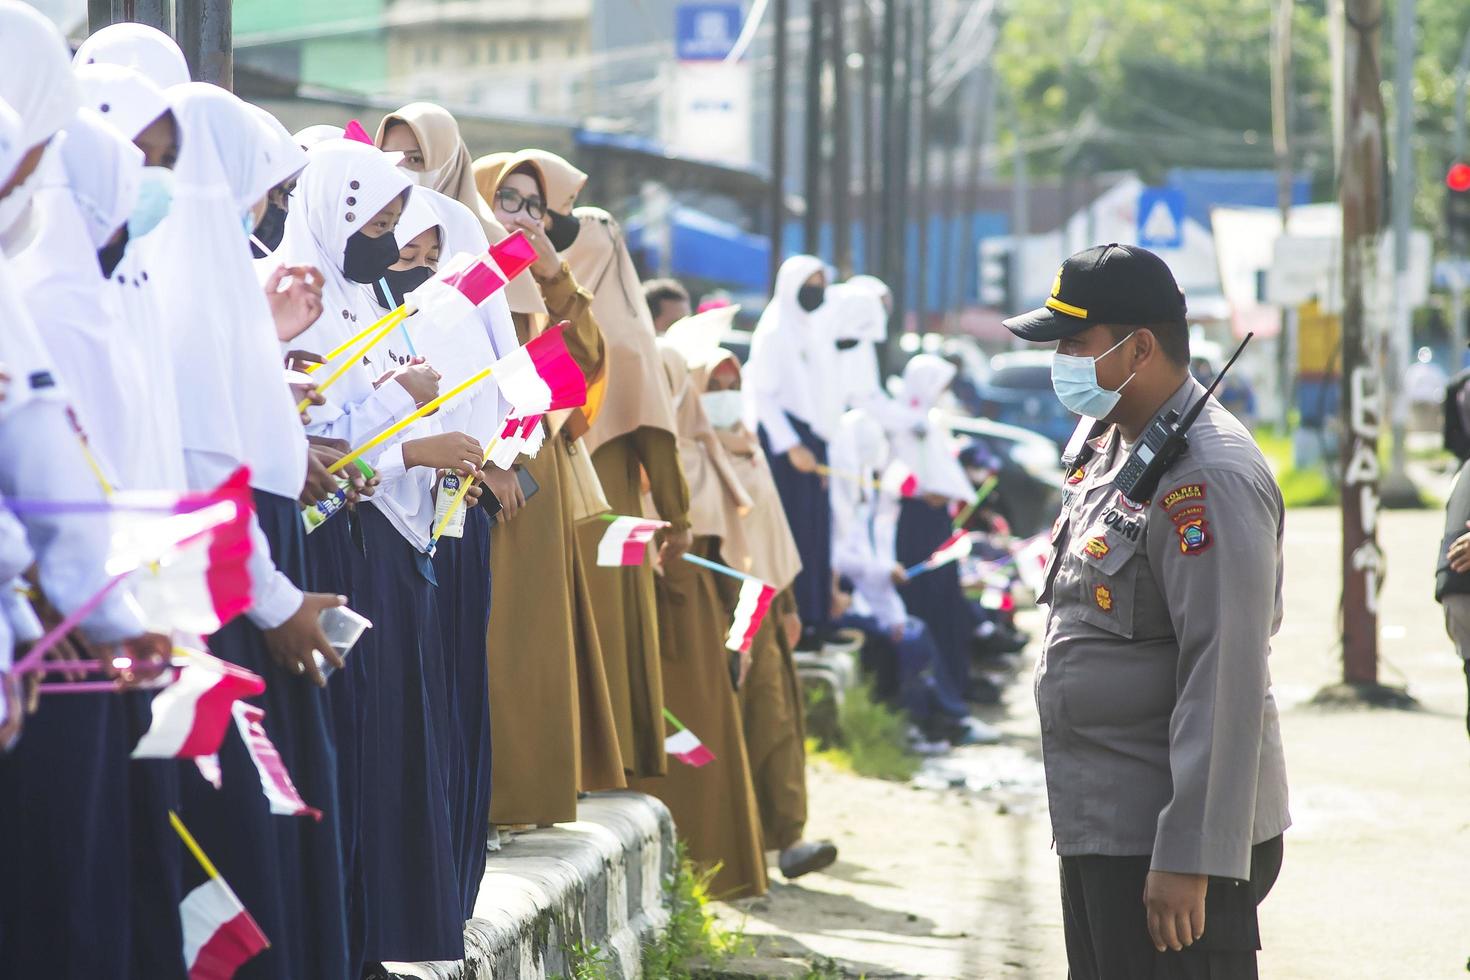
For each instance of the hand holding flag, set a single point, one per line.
(684, 745)
(219, 934)
(955, 547)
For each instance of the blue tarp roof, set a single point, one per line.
(705, 247)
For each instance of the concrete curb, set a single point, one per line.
(596, 883)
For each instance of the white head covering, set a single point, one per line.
(792, 363)
(872, 284)
(12, 147)
(232, 397)
(35, 74)
(145, 49)
(318, 225)
(929, 456)
(855, 312)
(125, 98)
(81, 205)
(312, 135)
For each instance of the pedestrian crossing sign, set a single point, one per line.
(1160, 217)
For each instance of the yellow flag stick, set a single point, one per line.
(864, 481)
(347, 362)
(192, 845)
(459, 495)
(419, 413)
(387, 318)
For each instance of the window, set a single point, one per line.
(513, 51)
(533, 49)
(492, 52)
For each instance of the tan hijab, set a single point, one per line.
(717, 500)
(638, 394)
(763, 544)
(522, 293)
(563, 181)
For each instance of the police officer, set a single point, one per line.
(1162, 748)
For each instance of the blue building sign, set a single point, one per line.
(1160, 217)
(705, 31)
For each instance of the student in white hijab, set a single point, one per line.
(859, 323)
(791, 394)
(237, 410)
(312, 135)
(347, 204)
(145, 49)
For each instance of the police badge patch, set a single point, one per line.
(1103, 596)
(1096, 548)
(1194, 536)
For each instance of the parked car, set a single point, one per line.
(1018, 392)
(1028, 492)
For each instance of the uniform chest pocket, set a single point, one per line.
(1109, 559)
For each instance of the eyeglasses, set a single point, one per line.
(512, 201)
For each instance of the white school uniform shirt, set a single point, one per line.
(864, 520)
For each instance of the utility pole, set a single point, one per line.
(900, 191)
(969, 243)
(1281, 144)
(207, 38)
(841, 147)
(813, 165)
(99, 15)
(888, 147)
(1020, 211)
(1457, 283)
(1360, 193)
(948, 212)
(1398, 489)
(925, 206)
(777, 203)
(871, 236)
(154, 13)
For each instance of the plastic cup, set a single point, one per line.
(342, 628)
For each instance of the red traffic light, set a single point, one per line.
(1458, 179)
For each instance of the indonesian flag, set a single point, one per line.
(467, 281)
(750, 612)
(955, 547)
(685, 746)
(1031, 558)
(626, 541)
(355, 132)
(191, 715)
(542, 376)
(275, 781)
(517, 436)
(219, 935)
(189, 569)
(899, 481)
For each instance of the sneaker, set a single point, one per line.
(804, 857)
(492, 844)
(929, 749)
(973, 731)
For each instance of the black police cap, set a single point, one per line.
(1117, 284)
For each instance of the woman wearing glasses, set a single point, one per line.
(550, 712)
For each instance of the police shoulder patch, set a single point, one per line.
(1103, 596)
(1194, 536)
(1096, 547)
(1181, 494)
(1077, 476)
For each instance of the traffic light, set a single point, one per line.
(997, 285)
(1457, 207)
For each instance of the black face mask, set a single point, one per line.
(564, 231)
(270, 231)
(810, 297)
(366, 259)
(401, 282)
(847, 344)
(108, 256)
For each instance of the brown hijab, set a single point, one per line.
(522, 293)
(638, 393)
(762, 543)
(563, 181)
(716, 498)
(445, 155)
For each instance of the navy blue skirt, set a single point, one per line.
(286, 870)
(333, 552)
(936, 597)
(809, 511)
(462, 566)
(411, 882)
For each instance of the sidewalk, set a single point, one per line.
(962, 882)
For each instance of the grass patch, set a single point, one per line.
(871, 738)
(1312, 487)
(587, 962)
(694, 937)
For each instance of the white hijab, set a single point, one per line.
(127, 99)
(12, 149)
(144, 49)
(80, 205)
(233, 400)
(318, 225)
(312, 135)
(930, 455)
(792, 356)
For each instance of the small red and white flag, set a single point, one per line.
(542, 376)
(750, 612)
(519, 436)
(685, 746)
(626, 541)
(466, 281)
(1031, 556)
(220, 936)
(899, 481)
(189, 570)
(275, 781)
(191, 715)
(955, 547)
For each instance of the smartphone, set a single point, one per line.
(529, 488)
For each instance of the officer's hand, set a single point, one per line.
(1459, 554)
(1176, 908)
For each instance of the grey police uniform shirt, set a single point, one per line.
(1158, 728)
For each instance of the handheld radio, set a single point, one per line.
(1163, 442)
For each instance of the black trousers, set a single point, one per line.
(1106, 924)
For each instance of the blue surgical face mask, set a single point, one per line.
(723, 408)
(155, 196)
(1074, 379)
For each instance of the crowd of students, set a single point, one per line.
(175, 263)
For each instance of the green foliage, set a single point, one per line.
(587, 962)
(871, 738)
(1311, 487)
(693, 935)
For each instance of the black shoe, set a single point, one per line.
(804, 857)
(984, 691)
